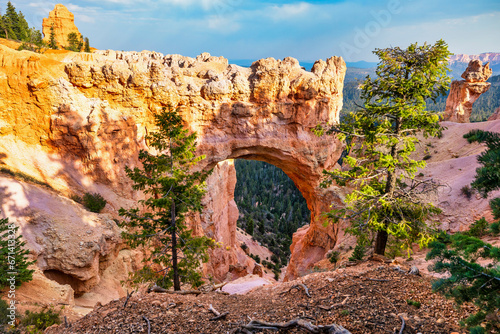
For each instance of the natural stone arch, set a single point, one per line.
(92, 112)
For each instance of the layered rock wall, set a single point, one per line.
(463, 93)
(63, 22)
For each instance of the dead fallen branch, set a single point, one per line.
(218, 315)
(414, 271)
(128, 297)
(149, 324)
(158, 289)
(402, 325)
(326, 308)
(212, 287)
(258, 325)
(298, 286)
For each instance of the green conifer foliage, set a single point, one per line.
(23, 28)
(469, 281)
(87, 45)
(8, 31)
(488, 176)
(52, 40)
(74, 42)
(13, 21)
(172, 191)
(379, 139)
(13, 256)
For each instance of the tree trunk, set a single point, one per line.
(381, 242)
(177, 283)
(390, 186)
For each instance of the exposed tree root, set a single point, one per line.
(156, 288)
(258, 325)
(402, 325)
(149, 324)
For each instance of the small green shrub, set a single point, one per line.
(76, 198)
(37, 322)
(495, 228)
(4, 320)
(344, 312)
(13, 251)
(94, 202)
(23, 177)
(333, 257)
(443, 237)
(413, 303)
(358, 254)
(478, 228)
(467, 191)
(427, 157)
(276, 275)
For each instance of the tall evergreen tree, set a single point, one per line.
(13, 18)
(172, 191)
(23, 28)
(8, 31)
(380, 138)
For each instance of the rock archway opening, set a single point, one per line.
(271, 209)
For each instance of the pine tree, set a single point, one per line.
(11, 15)
(74, 42)
(22, 28)
(13, 259)
(487, 177)
(87, 45)
(468, 280)
(52, 40)
(172, 191)
(8, 28)
(379, 140)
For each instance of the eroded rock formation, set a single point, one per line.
(463, 93)
(75, 121)
(63, 22)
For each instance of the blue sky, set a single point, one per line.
(253, 29)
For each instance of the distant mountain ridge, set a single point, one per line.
(492, 57)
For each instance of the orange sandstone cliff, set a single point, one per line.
(74, 121)
(63, 22)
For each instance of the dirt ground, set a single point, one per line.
(370, 297)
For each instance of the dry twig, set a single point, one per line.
(297, 286)
(326, 308)
(218, 315)
(149, 324)
(128, 297)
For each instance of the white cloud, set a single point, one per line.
(223, 24)
(289, 11)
